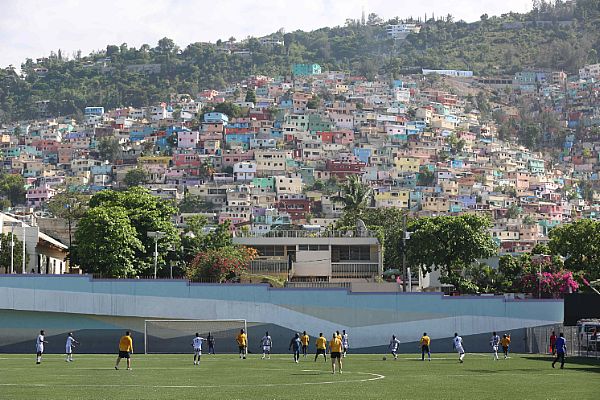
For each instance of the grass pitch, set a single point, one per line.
(93, 377)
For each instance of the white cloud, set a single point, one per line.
(33, 28)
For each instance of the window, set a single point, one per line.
(350, 253)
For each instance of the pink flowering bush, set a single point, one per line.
(222, 263)
(550, 284)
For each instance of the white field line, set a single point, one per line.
(374, 377)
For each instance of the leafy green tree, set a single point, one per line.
(107, 243)
(12, 187)
(69, 206)
(230, 109)
(449, 243)
(17, 252)
(355, 196)
(579, 242)
(136, 177)
(146, 213)
(250, 96)
(109, 149)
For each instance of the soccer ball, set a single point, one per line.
(384, 358)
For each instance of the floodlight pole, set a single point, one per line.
(156, 235)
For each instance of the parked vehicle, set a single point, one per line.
(588, 333)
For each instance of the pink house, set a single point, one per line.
(36, 196)
(187, 139)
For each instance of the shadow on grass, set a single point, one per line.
(585, 364)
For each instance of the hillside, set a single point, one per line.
(559, 36)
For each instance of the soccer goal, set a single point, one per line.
(174, 336)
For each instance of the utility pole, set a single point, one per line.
(404, 272)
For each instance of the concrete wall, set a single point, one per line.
(102, 309)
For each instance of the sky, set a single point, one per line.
(33, 28)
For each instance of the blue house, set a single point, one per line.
(216, 118)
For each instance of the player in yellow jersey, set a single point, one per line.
(125, 350)
(305, 339)
(505, 342)
(425, 342)
(335, 347)
(242, 341)
(321, 346)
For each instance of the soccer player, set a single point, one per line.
(393, 346)
(211, 343)
(508, 346)
(505, 342)
(69, 346)
(305, 339)
(345, 341)
(495, 342)
(39, 346)
(125, 350)
(321, 347)
(335, 347)
(242, 341)
(197, 345)
(266, 342)
(457, 343)
(296, 345)
(553, 343)
(561, 350)
(424, 342)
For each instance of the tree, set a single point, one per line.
(69, 206)
(109, 149)
(221, 264)
(449, 243)
(250, 96)
(146, 213)
(136, 177)
(17, 252)
(107, 243)
(513, 211)
(355, 196)
(579, 242)
(12, 187)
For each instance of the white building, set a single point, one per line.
(401, 31)
(244, 171)
(590, 71)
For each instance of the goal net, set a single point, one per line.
(171, 336)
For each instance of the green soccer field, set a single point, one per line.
(365, 377)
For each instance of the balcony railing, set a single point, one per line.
(304, 234)
(354, 270)
(269, 265)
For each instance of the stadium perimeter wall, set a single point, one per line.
(98, 311)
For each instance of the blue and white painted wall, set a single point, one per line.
(104, 308)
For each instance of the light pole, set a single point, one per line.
(156, 235)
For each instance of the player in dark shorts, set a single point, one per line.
(335, 346)
(321, 344)
(211, 343)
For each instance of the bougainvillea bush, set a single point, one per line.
(221, 264)
(550, 284)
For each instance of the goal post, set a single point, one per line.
(174, 336)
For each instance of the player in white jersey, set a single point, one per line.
(344, 342)
(266, 342)
(457, 343)
(39, 346)
(495, 342)
(393, 346)
(197, 345)
(69, 346)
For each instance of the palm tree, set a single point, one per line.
(354, 195)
